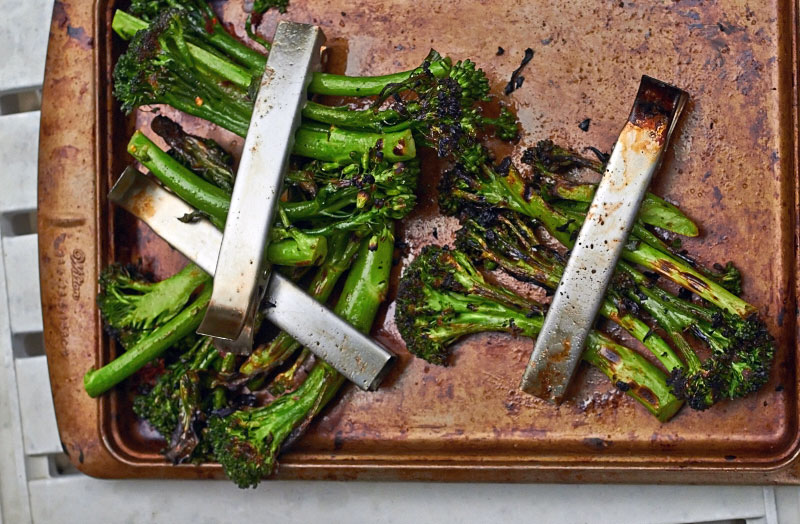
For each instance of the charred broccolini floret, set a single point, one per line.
(173, 405)
(158, 68)
(151, 316)
(742, 350)
(204, 29)
(443, 297)
(247, 442)
(202, 156)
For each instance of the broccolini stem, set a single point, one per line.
(286, 380)
(98, 381)
(654, 210)
(668, 311)
(364, 291)
(268, 357)
(343, 116)
(638, 231)
(301, 209)
(126, 25)
(265, 358)
(221, 66)
(547, 272)
(341, 85)
(219, 396)
(195, 191)
(689, 278)
(367, 283)
(642, 332)
(243, 54)
(338, 145)
(633, 374)
(205, 108)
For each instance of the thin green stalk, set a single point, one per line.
(126, 25)
(339, 145)
(341, 85)
(98, 381)
(521, 258)
(654, 210)
(214, 202)
(633, 374)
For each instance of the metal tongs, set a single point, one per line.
(635, 158)
(242, 278)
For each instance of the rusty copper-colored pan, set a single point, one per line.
(732, 167)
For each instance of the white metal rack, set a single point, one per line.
(37, 483)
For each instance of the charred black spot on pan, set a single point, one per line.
(584, 125)
(514, 82)
(622, 386)
(602, 157)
